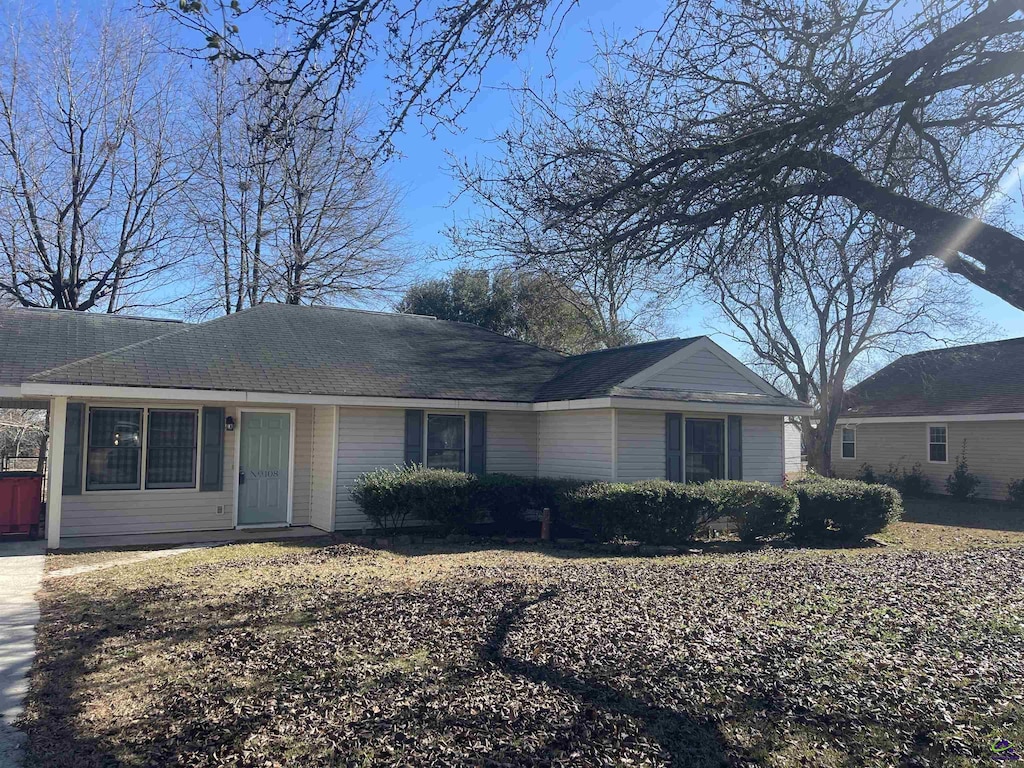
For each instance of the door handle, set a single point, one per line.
(241, 477)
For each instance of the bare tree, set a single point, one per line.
(93, 164)
(337, 232)
(433, 54)
(300, 215)
(234, 188)
(622, 294)
(22, 433)
(910, 112)
(815, 301)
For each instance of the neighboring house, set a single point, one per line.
(266, 417)
(921, 408)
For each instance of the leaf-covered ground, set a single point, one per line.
(264, 655)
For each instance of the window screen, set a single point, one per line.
(705, 450)
(115, 449)
(937, 444)
(446, 442)
(171, 449)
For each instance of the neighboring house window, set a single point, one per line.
(446, 441)
(849, 443)
(115, 449)
(171, 444)
(705, 450)
(937, 444)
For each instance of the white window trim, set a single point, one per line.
(465, 421)
(841, 442)
(237, 454)
(928, 443)
(144, 426)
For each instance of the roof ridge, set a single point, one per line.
(114, 315)
(710, 391)
(388, 313)
(638, 344)
(937, 350)
(186, 328)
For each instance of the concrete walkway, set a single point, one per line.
(21, 573)
(131, 557)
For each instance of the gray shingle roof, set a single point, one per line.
(326, 351)
(973, 379)
(34, 340)
(595, 373)
(277, 348)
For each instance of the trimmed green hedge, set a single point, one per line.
(845, 510)
(454, 501)
(391, 497)
(651, 512)
(759, 510)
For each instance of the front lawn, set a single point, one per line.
(942, 523)
(312, 655)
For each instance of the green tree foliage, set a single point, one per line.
(522, 305)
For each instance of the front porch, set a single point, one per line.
(160, 472)
(235, 536)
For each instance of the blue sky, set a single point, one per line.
(421, 167)
(429, 189)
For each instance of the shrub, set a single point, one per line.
(867, 474)
(390, 497)
(846, 510)
(652, 511)
(962, 483)
(505, 497)
(380, 496)
(913, 483)
(1015, 492)
(759, 509)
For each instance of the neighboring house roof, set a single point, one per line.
(276, 348)
(970, 380)
(34, 340)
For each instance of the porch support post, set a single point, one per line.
(55, 489)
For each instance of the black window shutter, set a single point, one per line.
(73, 442)
(413, 437)
(735, 448)
(212, 475)
(477, 442)
(674, 447)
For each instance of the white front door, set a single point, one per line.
(264, 468)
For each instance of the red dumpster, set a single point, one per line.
(20, 502)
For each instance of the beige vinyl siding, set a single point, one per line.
(995, 451)
(368, 438)
(109, 513)
(324, 462)
(702, 371)
(575, 444)
(512, 443)
(641, 445)
(763, 448)
(793, 447)
(302, 492)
